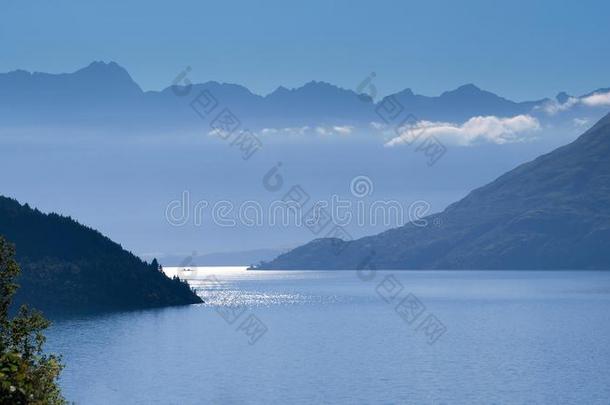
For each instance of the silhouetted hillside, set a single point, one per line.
(550, 213)
(66, 265)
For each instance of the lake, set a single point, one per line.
(303, 337)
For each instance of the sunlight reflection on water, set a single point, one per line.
(218, 286)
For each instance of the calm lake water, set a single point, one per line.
(434, 337)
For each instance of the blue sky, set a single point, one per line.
(520, 49)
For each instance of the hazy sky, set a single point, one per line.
(520, 49)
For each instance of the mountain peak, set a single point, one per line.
(314, 84)
(105, 73)
(280, 91)
(468, 88)
(313, 89)
(405, 93)
(106, 69)
(562, 97)
(101, 66)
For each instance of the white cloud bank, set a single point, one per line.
(343, 129)
(597, 100)
(305, 130)
(593, 100)
(334, 130)
(476, 129)
(286, 131)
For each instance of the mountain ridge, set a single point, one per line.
(550, 213)
(104, 94)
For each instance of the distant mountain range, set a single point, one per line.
(239, 258)
(550, 213)
(67, 266)
(104, 95)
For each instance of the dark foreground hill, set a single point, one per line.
(67, 266)
(550, 213)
